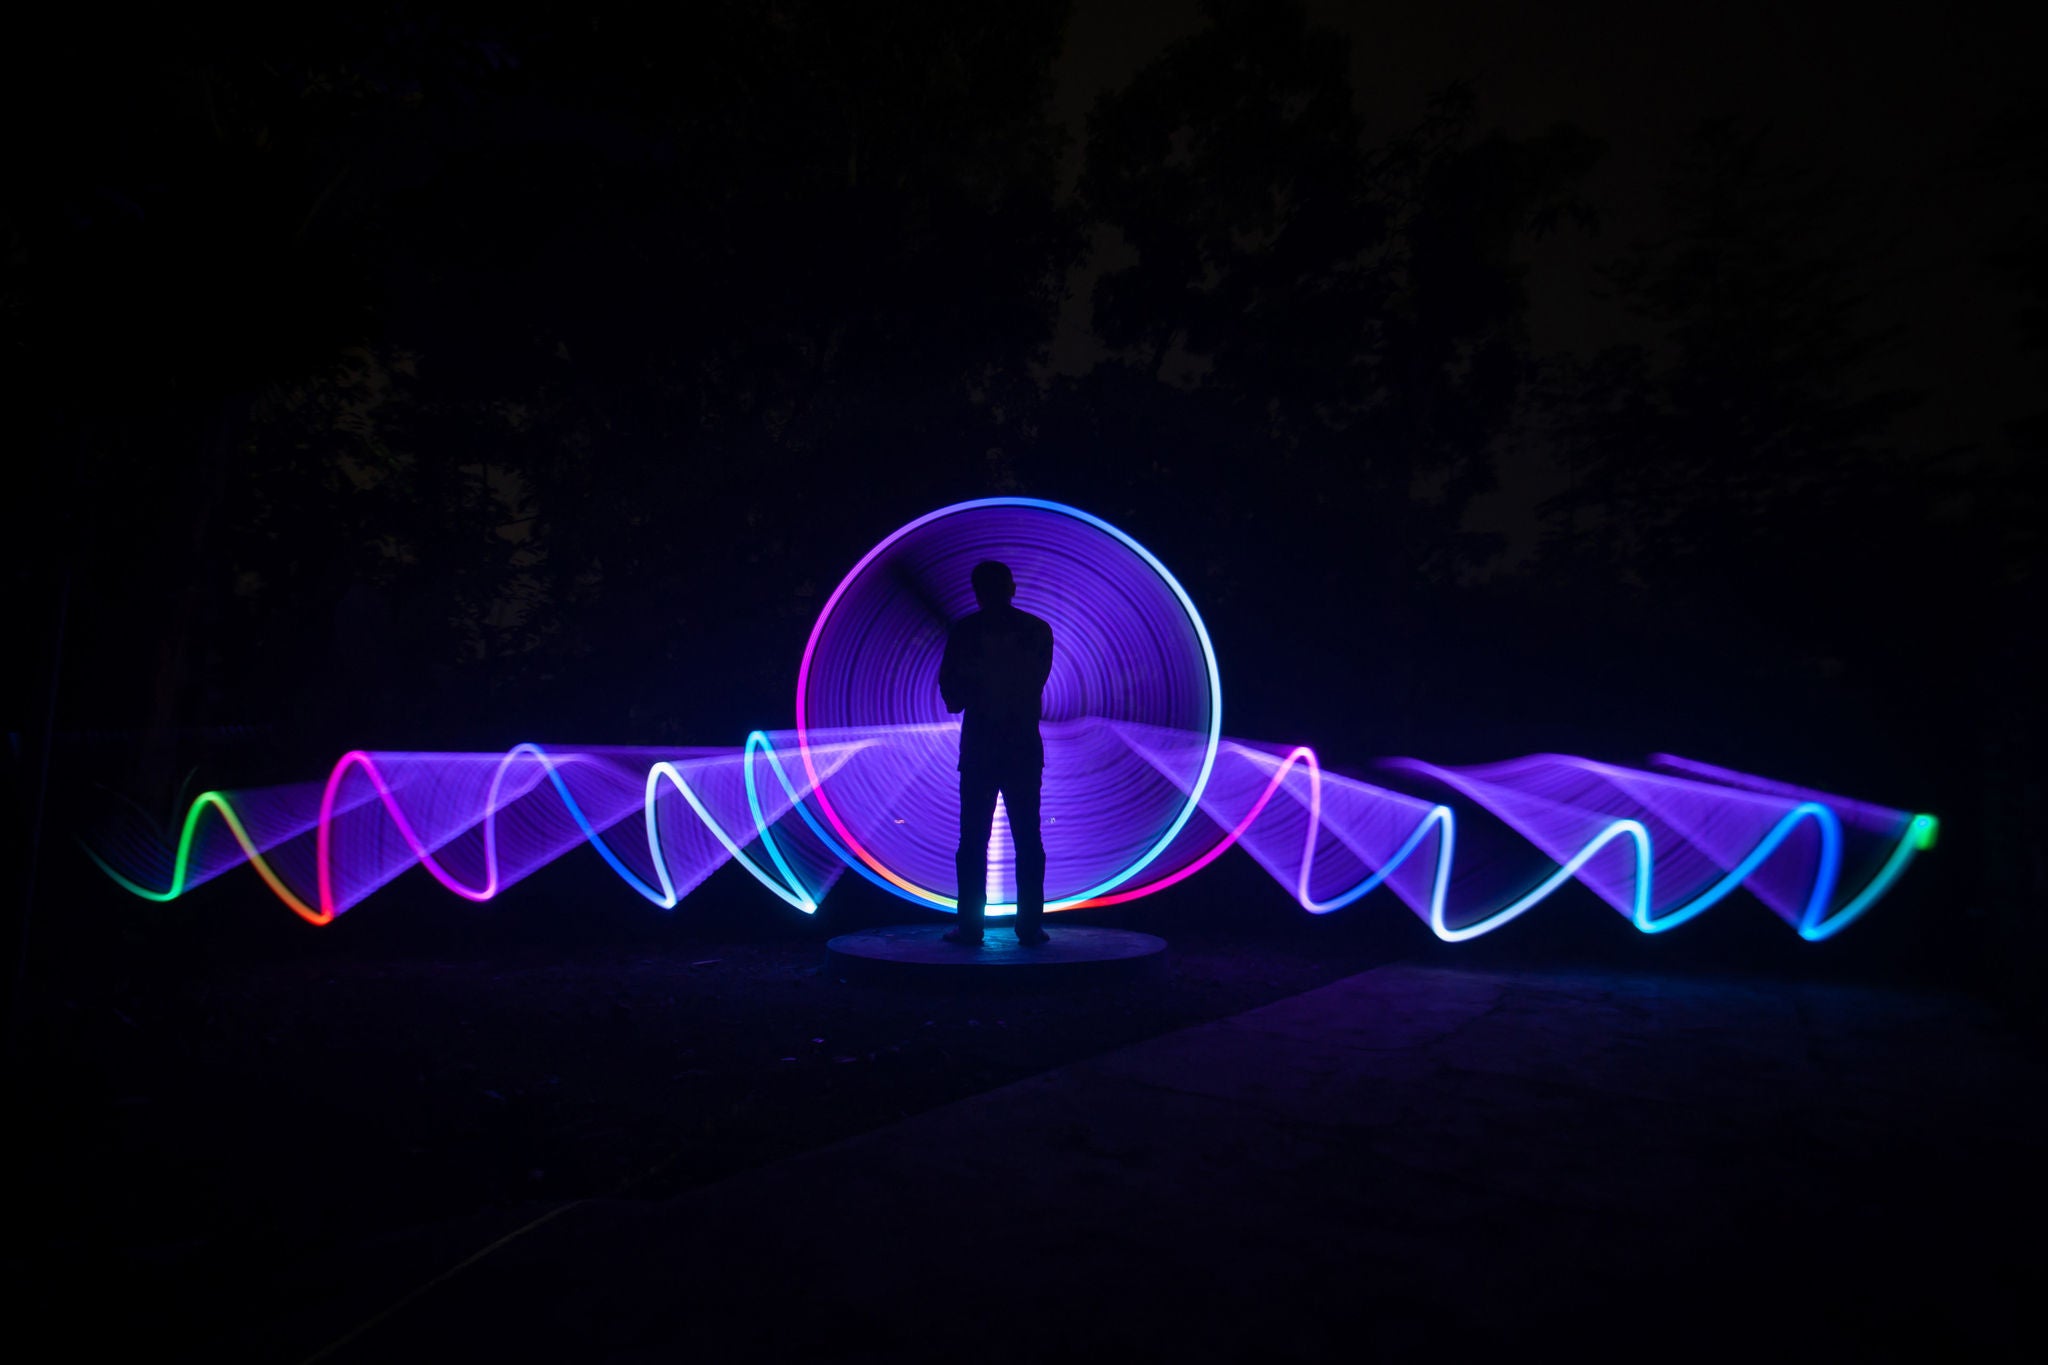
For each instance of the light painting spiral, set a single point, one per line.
(1142, 789)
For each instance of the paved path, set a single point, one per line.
(1409, 1161)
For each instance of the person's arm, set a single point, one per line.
(1042, 649)
(952, 670)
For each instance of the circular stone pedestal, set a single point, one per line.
(918, 955)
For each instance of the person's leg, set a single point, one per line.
(970, 861)
(1021, 799)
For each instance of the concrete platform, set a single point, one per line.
(1413, 1163)
(907, 954)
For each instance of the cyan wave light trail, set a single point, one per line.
(1681, 845)
(1678, 846)
(1142, 790)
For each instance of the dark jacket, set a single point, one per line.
(994, 669)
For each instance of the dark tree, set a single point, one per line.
(1792, 574)
(430, 381)
(1322, 326)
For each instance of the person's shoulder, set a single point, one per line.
(1037, 623)
(970, 622)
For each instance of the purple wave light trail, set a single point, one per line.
(1142, 789)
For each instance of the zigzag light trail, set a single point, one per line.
(1429, 843)
(1142, 790)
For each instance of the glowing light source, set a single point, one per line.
(1136, 762)
(1129, 648)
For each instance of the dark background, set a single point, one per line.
(440, 377)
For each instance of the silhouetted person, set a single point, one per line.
(995, 667)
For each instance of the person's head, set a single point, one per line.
(993, 586)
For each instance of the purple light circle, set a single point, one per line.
(1131, 661)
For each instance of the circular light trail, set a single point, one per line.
(1130, 655)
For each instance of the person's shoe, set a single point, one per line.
(1031, 938)
(962, 934)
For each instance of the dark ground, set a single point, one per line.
(257, 1136)
(1410, 1163)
